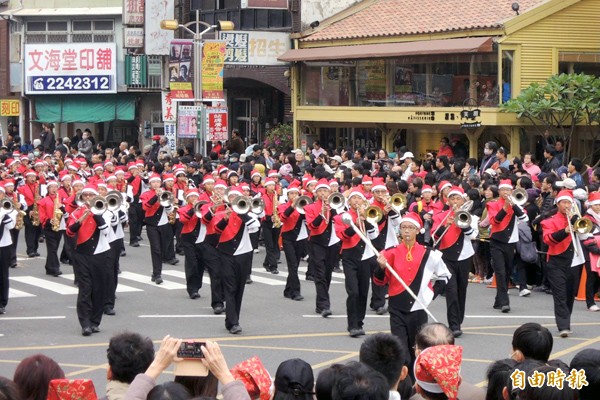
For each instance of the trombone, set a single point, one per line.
(581, 225)
(114, 200)
(300, 203)
(462, 219)
(518, 196)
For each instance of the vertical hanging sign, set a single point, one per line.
(213, 62)
(180, 70)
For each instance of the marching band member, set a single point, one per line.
(503, 215)
(31, 192)
(51, 211)
(358, 260)
(92, 252)
(425, 209)
(416, 265)
(179, 190)
(136, 213)
(442, 192)
(592, 283)
(20, 205)
(158, 229)
(457, 253)
(7, 222)
(271, 226)
(294, 234)
(563, 254)
(191, 225)
(115, 234)
(324, 245)
(387, 238)
(98, 176)
(236, 253)
(169, 186)
(208, 239)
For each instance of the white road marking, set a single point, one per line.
(182, 316)
(32, 318)
(341, 316)
(284, 274)
(145, 279)
(532, 317)
(14, 293)
(46, 284)
(120, 287)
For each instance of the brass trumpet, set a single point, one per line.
(397, 202)
(257, 205)
(518, 196)
(373, 214)
(166, 198)
(300, 203)
(241, 205)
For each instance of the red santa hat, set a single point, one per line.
(11, 161)
(269, 181)
(64, 175)
(222, 169)
(356, 192)
(74, 166)
(564, 195)
(235, 190)
(455, 190)
(594, 198)
(426, 189)
(413, 218)
(505, 184)
(310, 180)
(25, 157)
(333, 182)
(168, 177)
(208, 178)
(90, 188)
(38, 163)
(245, 186)
(51, 182)
(378, 184)
(102, 185)
(9, 182)
(120, 170)
(295, 186)
(192, 192)
(443, 185)
(78, 181)
(30, 172)
(367, 180)
(140, 164)
(111, 178)
(154, 177)
(254, 173)
(437, 369)
(220, 183)
(273, 173)
(131, 165)
(108, 162)
(322, 184)
(16, 153)
(231, 173)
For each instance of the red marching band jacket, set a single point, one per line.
(29, 192)
(46, 209)
(91, 237)
(555, 237)
(348, 236)
(188, 218)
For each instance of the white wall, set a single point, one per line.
(318, 10)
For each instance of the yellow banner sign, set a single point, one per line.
(10, 108)
(213, 62)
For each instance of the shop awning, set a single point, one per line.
(382, 50)
(92, 108)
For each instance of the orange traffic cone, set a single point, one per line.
(581, 291)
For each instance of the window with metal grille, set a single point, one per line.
(76, 31)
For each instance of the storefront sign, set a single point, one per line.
(422, 116)
(469, 117)
(136, 73)
(254, 47)
(216, 124)
(133, 12)
(158, 40)
(169, 111)
(180, 70)
(274, 4)
(133, 38)
(171, 135)
(10, 108)
(213, 57)
(67, 68)
(187, 121)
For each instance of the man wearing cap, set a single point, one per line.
(454, 242)
(324, 245)
(357, 258)
(31, 192)
(416, 265)
(563, 254)
(92, 254)
(504, 216)
(47, 221)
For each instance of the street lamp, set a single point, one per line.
(172, 25)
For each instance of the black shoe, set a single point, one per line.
(134, 244)
(157, 279)
(123, 253)
(298, 297)
(2, 310)
(356, 332)
(274, 271)
(65, 261)
(310, 278)
(249, 280)
(109, 311)
(496, 307)
(87, 331)
(173, 261)
(218, 310)
(195, 296)
(54, 273)
(13, 266)
(326, 313)
(381, 310)
(95, 329)
(338, 270)
(235, 330)
(180, 252)
(31, 255)
(505, 309)
(318, 311)
(36, 254)
(457, 333)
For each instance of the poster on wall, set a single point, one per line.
(181, 69)
(187, 121)
(216, 124)
(157, 40)
(213, 63)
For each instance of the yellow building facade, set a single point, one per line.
(379, 86)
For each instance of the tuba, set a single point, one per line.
(301, 202)
(114, 200)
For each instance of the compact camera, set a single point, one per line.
(191, 350)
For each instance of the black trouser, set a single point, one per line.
(324, 259)
(271, 238)
(4, 282)
(194, 266)
(66, 253)
(358, 274)
(503, 255)
(93, 277)
(592, 284)
(456, 291)
(293, 253)
(14, 234)
(157, 236)
(113, 276)
(254, 236)
(520, 272)
(212, 262)
(168, 245)
(32, 235)
(52, 242)
(544, 266)
(406, 325)
(136, 216)
(236, 270)
(378, 292)
(562, 277)
(70, 244)
(177, 227)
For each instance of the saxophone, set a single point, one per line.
(20, 220)
(56, 215)
(275, 218)
(35, 214)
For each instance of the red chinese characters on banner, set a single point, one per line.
(217, 124)
(70, 60)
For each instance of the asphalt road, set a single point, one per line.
(41, 318)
